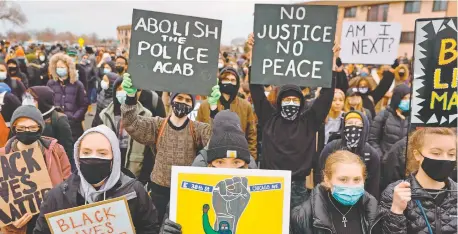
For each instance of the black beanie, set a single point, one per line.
(228, 139)
(398, 94)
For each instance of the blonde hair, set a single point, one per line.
(358, 107)
(341, 156)
(416, 141)
(331, 113)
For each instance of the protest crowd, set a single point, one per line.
(357, 165)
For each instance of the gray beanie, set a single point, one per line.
(174, 95)
(31, 112)
(228, 139)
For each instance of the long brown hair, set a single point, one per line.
(331, 112)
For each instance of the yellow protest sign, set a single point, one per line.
(24, 181)
(81, 42)
(216, 200)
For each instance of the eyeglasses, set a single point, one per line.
(293, 100)
(35, 128)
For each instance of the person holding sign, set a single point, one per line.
(176, 138)
(339, 204)
(229, 84)
(289, 131)
(99, 177)
(28, 126)
(426, 202)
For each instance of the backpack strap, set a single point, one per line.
(162, 126)
(193, 133)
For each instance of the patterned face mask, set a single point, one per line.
(352, 135)
(290, 110)
(180, 109)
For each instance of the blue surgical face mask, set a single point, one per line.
(106, 70)
(404, 105)
(61, 71)
(121, 96)
(347, 195)
(363, 74)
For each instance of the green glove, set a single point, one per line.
(127, 85)
(214, 97)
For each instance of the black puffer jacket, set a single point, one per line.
(313, 216)
(442, 218)
(394, 164)
(369, 156)
(387, 127)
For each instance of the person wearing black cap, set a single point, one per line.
(229, 84)
(354, 101)
(391, 124)
(56, 123)
(176, 139)
(228, 148)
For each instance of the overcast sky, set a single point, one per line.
(103, 17)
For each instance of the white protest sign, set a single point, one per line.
(109, 216)
(370, 42)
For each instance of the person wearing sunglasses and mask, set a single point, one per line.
(98, 178)
(28, 126)
(339, 204)
(165, 134)
(229, 84)
(426, 202)
(354, 136)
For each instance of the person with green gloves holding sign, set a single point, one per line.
(176, 139)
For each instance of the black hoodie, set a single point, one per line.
(369, 156)
(290, 145)
(19, 74)
(17, 87)
(224, 102)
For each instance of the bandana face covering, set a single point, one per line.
(352, 135)
(289, 110)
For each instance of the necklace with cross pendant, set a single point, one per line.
(344, 221)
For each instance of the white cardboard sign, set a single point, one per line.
(109, 216)
(370, 42)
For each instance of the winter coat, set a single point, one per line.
(55, 157)
(394, 164)
(69, 95)
(139, 158)
(368, 154)
(90, 75)
(371, 98)
(247, 119)
(290, 145)
(17, 87)
(201, 160)
(8, 104)
(64, 196)
(313, 216)
(82, 75)
(442, 218)
(21, 76)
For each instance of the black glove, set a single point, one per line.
(338, 62)
(395, 64)
(170, 227)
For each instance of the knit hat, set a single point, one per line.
(353, 115)
(174, 95)
(228, 139)
(30, 112)
(44, 96)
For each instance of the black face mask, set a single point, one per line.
(401, 74)
(228, 89)
(180, 109)
(438, 170)
(28, 138)
(352, 135)
(95, 170)
(119, 69)
(12, 71)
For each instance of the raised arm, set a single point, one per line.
(321, 106)
(384, 85)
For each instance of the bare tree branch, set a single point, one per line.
(12, 12)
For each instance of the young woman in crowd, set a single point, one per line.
(333, 121)
(16, 86)
(354, 101)
(69, 93)
(28, 126)
(98, 178)
(339, 204)
(426, 202)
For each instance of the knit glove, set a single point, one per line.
(127, 85)
(170, 227)
(214, 97)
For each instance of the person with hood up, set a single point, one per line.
(135, 156)
(229, 84)
(339, 204)
(426, 201)
(28, 126)
(289, 132)
(56, 123)
(391, 124)
(354, 139)
(8, 103)
(105, 95)
(372, 96)
(14, 71)
(176, 138)
(98, 178)
(69, 92)
(39, 70)
(16, 86)
(228, 148)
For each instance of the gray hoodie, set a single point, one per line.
(86, 189)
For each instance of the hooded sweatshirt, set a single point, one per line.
(367, 154)
(17, 73)
(17, 87)
(290, 145)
